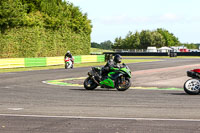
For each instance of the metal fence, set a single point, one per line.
(130, 50)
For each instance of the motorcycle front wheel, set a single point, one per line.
(123, 84)
(89, 84)
(192, 87)
(66, 65)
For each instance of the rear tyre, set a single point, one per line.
(89, 84)
(192, 87)
(123, 84)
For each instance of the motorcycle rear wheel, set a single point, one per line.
(89, 84)
(192, 87)
(123, 85)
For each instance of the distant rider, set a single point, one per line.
(69, 55)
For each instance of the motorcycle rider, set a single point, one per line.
(111, 64)
(69, 55)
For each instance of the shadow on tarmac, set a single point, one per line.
(95, 90)
(179, 94)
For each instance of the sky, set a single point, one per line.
(115, 18)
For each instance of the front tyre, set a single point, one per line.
(123, 83)
(66, 65)
(192, 87)
(89, 84)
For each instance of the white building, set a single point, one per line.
(152, 49)
(164, 49)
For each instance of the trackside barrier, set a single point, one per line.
(55, 60)
(33, 62)
(77, 59)
(47, 61)
(88, 58)
(100, 58)
(12, 62)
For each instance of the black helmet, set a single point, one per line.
(117, 58)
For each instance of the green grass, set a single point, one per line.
(75, 65)
(97, 50)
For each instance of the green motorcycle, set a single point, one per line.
(118, 78)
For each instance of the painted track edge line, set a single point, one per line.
(131, 88)
(103, 118)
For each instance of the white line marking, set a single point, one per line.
(15, 109)
(7, 87)
(103, 118)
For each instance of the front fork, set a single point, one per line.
(121, 81)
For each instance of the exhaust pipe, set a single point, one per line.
(94, 80)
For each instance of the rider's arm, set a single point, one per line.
(106, 67)
(70, 55)
(65, 56)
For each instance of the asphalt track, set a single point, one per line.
(27, 105)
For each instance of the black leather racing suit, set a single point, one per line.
(106, 68)
(70, 56)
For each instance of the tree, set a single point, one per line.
(158, 39)
(146, 39)
(129, 41)
(32, 5)
(170, 39)
(191, 45)
(12, 13)
(119, 43)
(46, 13)
(32, 28)
(136, 41)
(95, 45)
(106, 45)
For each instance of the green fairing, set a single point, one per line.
(108, 82)
(112, 68)
(126, 71)
(110, 73)
(121, 69)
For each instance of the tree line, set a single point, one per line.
(34, 28)
(146, 38)
(103, 45)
